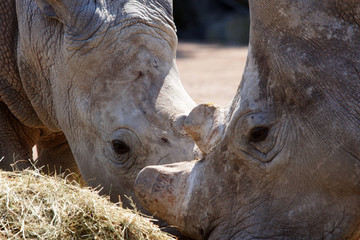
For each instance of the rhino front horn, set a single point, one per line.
(206, 125)
(162, 190)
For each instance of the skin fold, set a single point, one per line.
(95, 85)
(287, 164)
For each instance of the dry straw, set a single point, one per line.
(34, 206)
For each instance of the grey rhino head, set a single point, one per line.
(104, 73)
(287, 165)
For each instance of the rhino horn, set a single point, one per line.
(206, 125)
(162, 190)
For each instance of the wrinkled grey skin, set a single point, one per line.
(288, 164)
(94, 81)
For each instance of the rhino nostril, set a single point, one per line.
(258, 134)
(165, 140)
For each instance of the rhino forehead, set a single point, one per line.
(119, 22)
(317, 22)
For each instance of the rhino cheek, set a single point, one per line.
(99, 171)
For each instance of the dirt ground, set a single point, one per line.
(210, 73)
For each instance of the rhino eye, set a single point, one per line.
(258, 134)
(120, 147)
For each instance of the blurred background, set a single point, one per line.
(213, 38)
(215, 21)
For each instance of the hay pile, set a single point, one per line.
(34, 206)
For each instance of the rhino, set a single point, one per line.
(283, 160)
(94, 85)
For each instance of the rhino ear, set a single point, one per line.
(51, 8)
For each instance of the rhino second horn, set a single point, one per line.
(206, 125)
